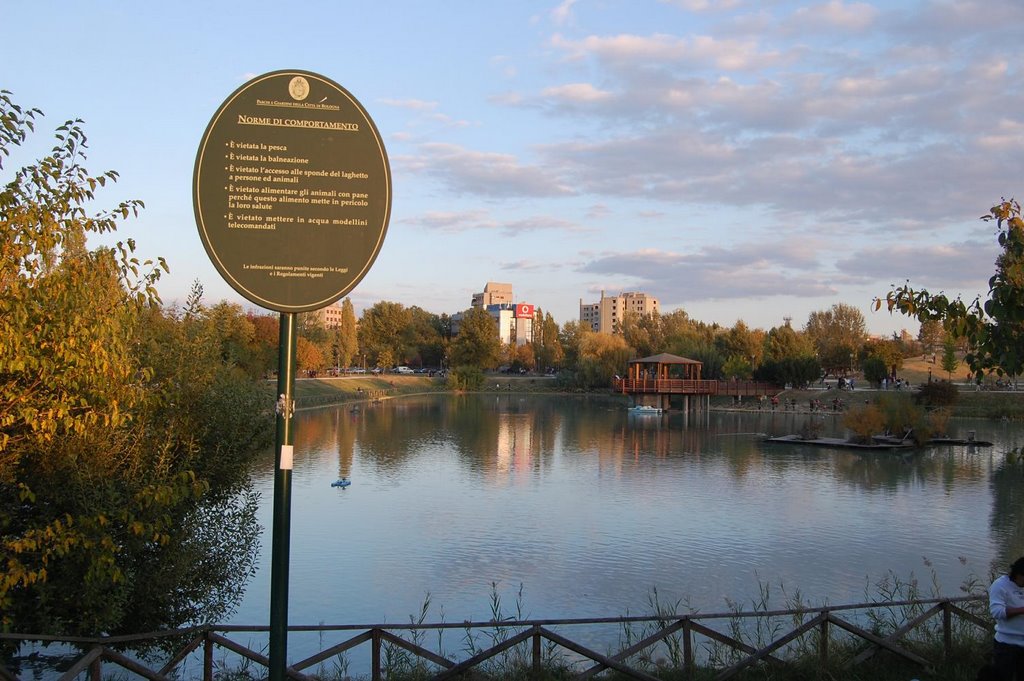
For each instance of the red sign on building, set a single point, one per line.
(524, 311)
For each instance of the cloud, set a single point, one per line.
(965, 265)
(699, 51)
(855, 16)
(454, 222)
(703, 5)
(561, 14)
(754, 270)
(527, 266)
(576, 92)
(464, 171)
(413, 104)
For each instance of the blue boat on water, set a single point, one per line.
(342, 482)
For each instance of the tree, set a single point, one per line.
(838, 334)
(643, 332)
(794, 371)
(548, 348)
(875, 370)
(994, 329)
(345, 335)
(118, 423)
(523, 357)
(890, 352)
(949, 360)
(423, 338)
(477, 344)
(308, 355)
(64, 363)
(783, 342)
(743, 345)
(382, 331)
(266, 337)
(682, 332)
(602, 355)
(931, 334)
(569, 338)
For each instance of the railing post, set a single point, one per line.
(947, 629)
(207, 657)
(375, 655)
(536, 651)
(823, 644)
(687, 649)
(96, 669)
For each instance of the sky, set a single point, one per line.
(740, 160)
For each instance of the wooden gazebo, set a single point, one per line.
(653, 380)
(665, 366)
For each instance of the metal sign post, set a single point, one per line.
(283, 449)
(292, 198)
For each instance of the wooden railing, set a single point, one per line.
(680, 386)
(534, 643)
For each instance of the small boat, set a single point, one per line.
(342, 482)
(644, 409)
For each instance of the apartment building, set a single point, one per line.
(329, 317)
(493, 294)
(604, 316)
(513, 321)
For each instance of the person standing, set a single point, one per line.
(1006, 604)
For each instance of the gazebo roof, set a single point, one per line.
(664, 358)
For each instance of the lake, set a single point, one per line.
(572, 508)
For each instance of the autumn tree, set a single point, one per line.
(682, 333)
(570, 337)
(994, 329)
(889, 351)
(383, 333)
(423, 338)
(266, 337)
(602, 356)
(838, 334)
(118, 422)
(743, 345)
(789, 358)
(345, 339)
(931, 334)
(784, 342)
(477, 343)
(643, 332)
(546, 345)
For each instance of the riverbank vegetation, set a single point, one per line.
(126, 429)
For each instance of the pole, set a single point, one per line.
(282, 498)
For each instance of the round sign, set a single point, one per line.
(292, 191)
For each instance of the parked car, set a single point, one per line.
(403, 370)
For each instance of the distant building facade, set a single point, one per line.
(513, 321)
(494, 293)
(329, 317)
(605, 315)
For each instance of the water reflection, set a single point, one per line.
(590, 508)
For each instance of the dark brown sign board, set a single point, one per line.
(292, 191)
